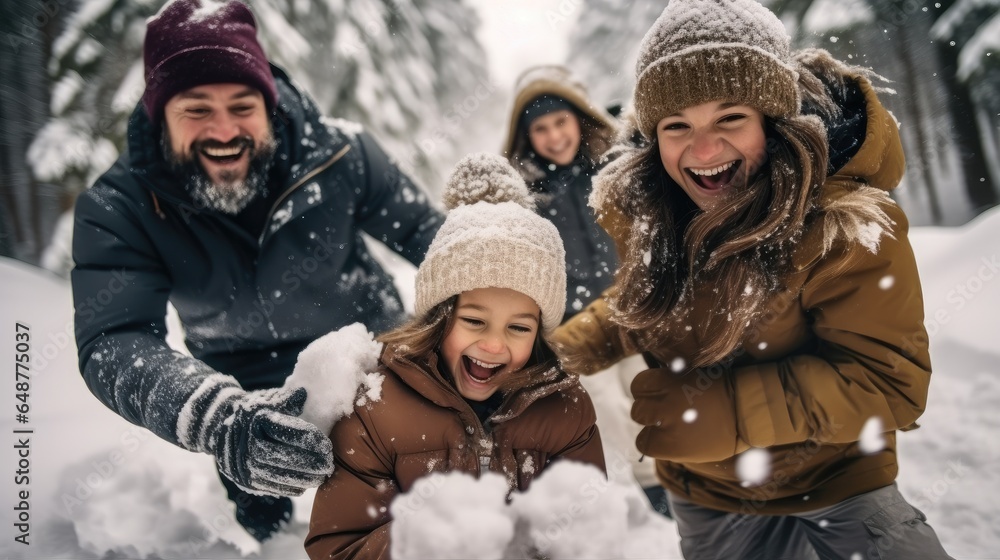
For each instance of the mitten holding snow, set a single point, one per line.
(337, 371)
(452, 515)
(256, 437)
(265, 448)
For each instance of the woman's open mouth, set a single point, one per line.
(716, 178)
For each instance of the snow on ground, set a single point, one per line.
(102, 488)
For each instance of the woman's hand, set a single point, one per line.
(688, 417)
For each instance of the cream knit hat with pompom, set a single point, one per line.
(492, 238)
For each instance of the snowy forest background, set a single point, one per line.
(432, 80)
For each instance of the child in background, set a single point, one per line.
(471, 383)
(557, 139)
(768, 278)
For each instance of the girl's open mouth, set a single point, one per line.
(480, 371)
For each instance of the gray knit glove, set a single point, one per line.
(257, 438)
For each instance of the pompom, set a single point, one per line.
(486, 177)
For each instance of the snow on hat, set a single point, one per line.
(190, 43)
(714, 50)
(492, 238)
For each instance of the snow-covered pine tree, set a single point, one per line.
(973, 28)
(605, 43)
(398, 67)
(28, 208)
(892, 38)
(395, 66)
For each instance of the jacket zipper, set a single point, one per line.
(305, 178)
(274, 208)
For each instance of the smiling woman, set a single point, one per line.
(754, 252)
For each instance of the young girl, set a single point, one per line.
(557, 139)
(471, 384)
(767, 278)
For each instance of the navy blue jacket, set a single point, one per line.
(248, 303)
(591, 259)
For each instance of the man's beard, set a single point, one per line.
(232, 194)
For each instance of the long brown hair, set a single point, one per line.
(741, 247)
(422, 336)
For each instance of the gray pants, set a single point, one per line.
(877, 525)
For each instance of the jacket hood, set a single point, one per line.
(879, 161)
(555, 80)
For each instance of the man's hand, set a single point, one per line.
(265, 448)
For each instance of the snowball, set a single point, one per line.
(690, 415)
(871, 439)
(753, 466)
(678, 365)
(452, 516)
(886, 282)
(336, 371)
(574, 512)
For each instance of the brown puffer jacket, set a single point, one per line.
(420, 425)
(843, 345)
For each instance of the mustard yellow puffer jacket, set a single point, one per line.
(842, 348)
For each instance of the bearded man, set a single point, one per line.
(237, 203)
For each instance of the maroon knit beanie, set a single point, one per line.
(194, 42)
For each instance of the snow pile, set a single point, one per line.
(335, 370)
(570, 511)
(143, 507)
(452, 516)
(573, 512)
